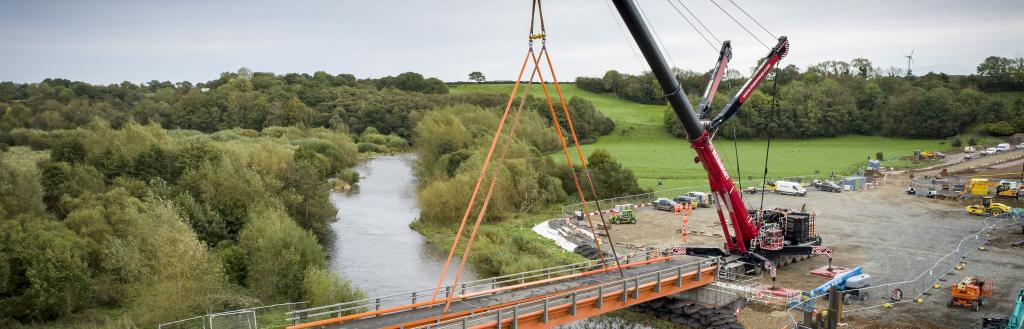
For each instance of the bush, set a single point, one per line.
(611, 179)
(956, 142)
(1001, 128)
(365, 147)
(591, 84)
(972, 141)
(279, 253)
(879, 156)
(323, 287)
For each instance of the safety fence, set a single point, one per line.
(270, 316)
(422, 298)
(934, 280)
(626, 288)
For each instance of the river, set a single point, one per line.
(375, 248)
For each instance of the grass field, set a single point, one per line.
(641, 143)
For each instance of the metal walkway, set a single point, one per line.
(536, 299)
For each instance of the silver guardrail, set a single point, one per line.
(469, 287)
(626, 288)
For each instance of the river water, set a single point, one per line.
(374, 246)
(376, 250)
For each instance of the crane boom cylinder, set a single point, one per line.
(669, 85)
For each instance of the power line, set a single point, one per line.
(712, 34)
(656, 36)
(752, 18)
(740, 24)
(694, 26)
(629, 44)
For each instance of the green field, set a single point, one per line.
(641, 143)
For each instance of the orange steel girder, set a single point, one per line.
(588, 307)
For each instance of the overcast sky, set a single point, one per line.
(113, 41)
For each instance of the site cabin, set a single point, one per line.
(968, 149)
(789, 188)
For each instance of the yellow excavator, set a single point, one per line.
(1009, 189)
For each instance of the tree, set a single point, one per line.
(863, 66)
(43, 273)
(68, 149)
(279, 253)
(611, 179)
(477, 76)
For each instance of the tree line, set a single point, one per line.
(245, 99)
(834, 98)
(168, 224)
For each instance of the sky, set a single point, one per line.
(112, 41)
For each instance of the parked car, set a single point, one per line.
(664, 204)
(1002, 147)
(1020, 146)
(988, 151)
(683, 199)
(789, 188)
(828, 186)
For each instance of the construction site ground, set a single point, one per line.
(891, 235)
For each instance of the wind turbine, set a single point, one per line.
(910, 60)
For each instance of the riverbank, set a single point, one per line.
(507, 247)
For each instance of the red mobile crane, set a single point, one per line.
(776, 233)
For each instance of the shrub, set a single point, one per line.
(879, 156)
(279, 252)
(323, 287)
(972, 141)
(956, 143)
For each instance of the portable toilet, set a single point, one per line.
(874, 164)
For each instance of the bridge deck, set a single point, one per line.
(662, 274)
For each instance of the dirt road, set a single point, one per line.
(891, 235)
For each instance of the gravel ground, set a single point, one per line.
(891, 235)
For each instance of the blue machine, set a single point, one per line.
(849, 283)
(839, 281)
(1017, 317)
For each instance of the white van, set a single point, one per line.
(790, 188)
(1003, 147)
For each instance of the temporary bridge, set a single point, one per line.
(536, 299)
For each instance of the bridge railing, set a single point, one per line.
(478, 286)
(626, 287)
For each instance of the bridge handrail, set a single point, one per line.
(624, 285)
(491, 283)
